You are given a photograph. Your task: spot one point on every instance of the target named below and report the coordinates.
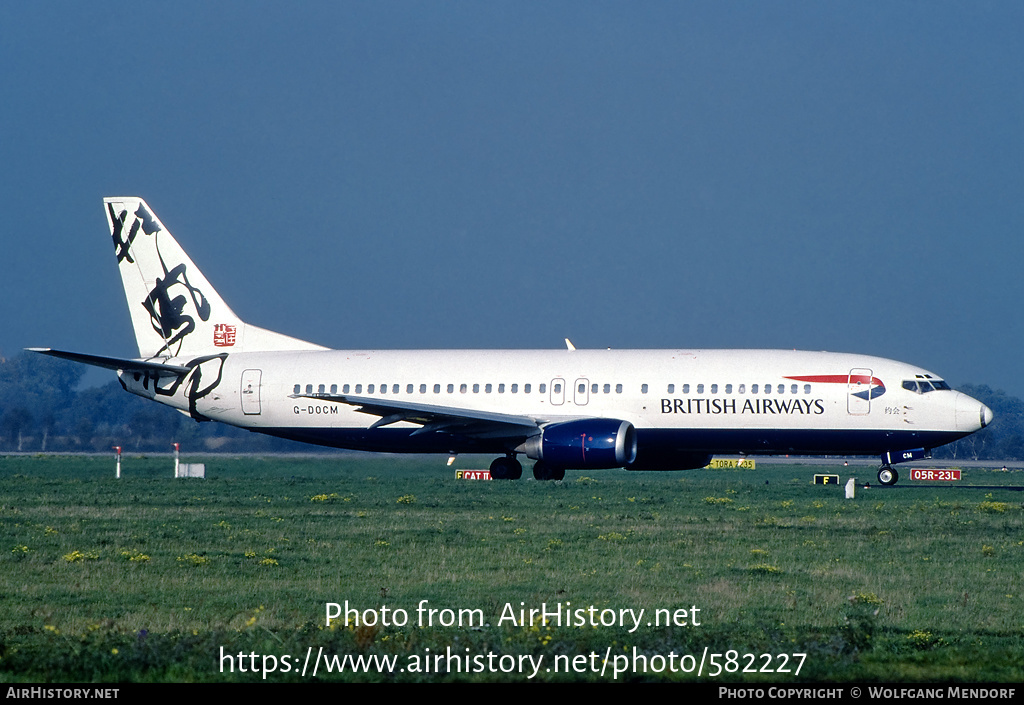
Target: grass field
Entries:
(148, 578)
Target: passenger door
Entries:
(858, 398)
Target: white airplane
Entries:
(564, 409)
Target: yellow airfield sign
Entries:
(731, 463)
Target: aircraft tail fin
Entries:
(174, 309)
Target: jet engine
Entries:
(585, 444)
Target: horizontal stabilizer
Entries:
(116, 363)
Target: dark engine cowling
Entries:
(585, 444)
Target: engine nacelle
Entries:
(585, 444)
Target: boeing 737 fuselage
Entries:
(564, 409)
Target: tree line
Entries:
(43, 409)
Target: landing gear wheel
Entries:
(517, 469)
(499, 469)
(887, 476)
(543, 471)
(506, 469)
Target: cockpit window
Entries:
(922, 385)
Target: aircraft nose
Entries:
(971, 414)
(986, 416)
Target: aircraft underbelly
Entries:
(749, 441)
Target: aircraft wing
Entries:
(471, 422)
(117, 363)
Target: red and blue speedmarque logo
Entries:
(871, 387)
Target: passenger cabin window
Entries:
(714, 389)
(309, 389)
(437, 389)
(526, 389)
(359, 389)
(515, 388)
(743, 389)
(451, 388)
(297, 389)
(686, 388)
(423, 389)
(618, 389)
(671, 389)
(345, 389)
(542, 388)
(476, 389)
(700, 389)
(463, 388)
(728, 389)
(607, 389)
(488, 387)
(369, 389)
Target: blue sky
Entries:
(833, 176)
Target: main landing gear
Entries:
(887, 476)
(508, 468)
(543, 471)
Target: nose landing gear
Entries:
(887, 476)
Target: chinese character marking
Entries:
(223, 335)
